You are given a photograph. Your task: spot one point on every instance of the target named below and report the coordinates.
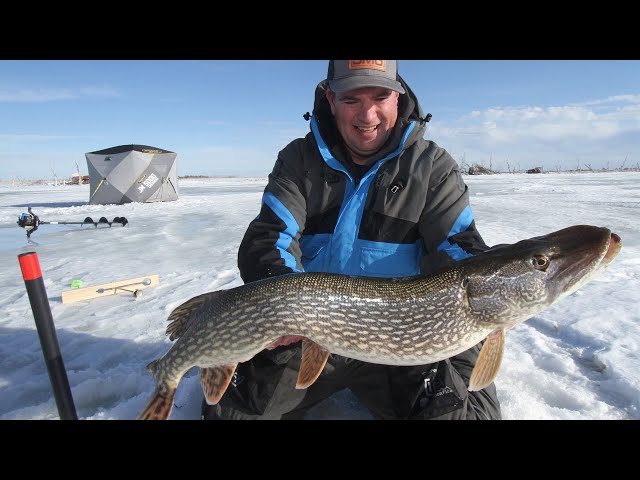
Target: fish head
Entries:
(508, 284)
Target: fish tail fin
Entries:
(152, 368)
(160, 405)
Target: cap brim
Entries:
(352, 83)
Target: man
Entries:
(362, 194)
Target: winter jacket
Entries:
(409, 214)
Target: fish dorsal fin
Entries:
(488, 362)
(181, 317)
(215, 381)
(314, 358)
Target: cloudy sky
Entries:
(228, 117)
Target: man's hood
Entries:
(409, 110)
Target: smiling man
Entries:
(365, 116)
(362, 194)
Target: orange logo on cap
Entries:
(370, 64)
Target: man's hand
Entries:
(286, 340)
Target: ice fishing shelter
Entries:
(132, 173)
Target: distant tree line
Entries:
(482, 169)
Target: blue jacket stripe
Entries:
(325, 152)
(286, 237)
(461, 224)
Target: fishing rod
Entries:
(30, 222)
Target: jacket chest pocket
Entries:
(399, 197)
(394, 261)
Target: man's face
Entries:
(365, 117)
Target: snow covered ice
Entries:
(577, 360)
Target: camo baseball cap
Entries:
(346, 75)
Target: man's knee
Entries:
(444, 396)
(484, 404)
(262, 388)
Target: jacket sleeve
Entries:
(447, 223)
(270, 245)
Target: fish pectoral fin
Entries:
(314, 358)
(160, 405)
(489, 360)
(215, 381)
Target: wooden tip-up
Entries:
(132, 285)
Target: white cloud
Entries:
(35, 95)
(597, 131)
(32, 137)
(20, 94)
(613, 99)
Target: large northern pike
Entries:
(401, 321)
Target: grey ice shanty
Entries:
(132, 173)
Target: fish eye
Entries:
(540, 262)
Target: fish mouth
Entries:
(615, 244)
(589, 250)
